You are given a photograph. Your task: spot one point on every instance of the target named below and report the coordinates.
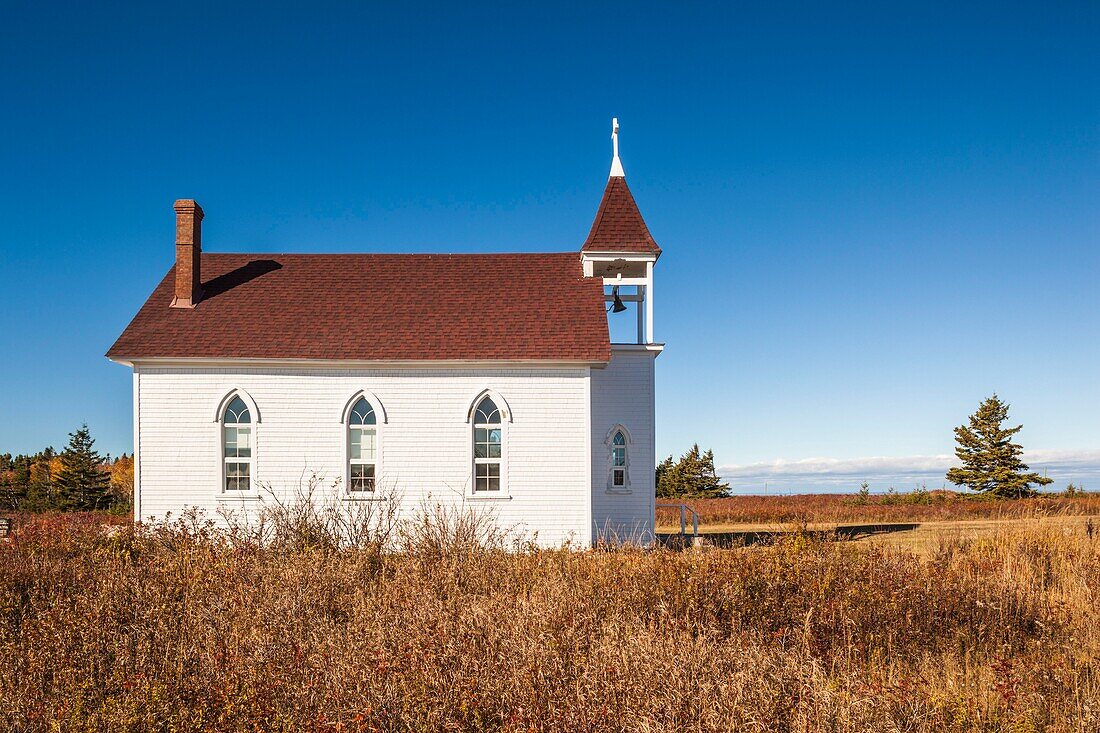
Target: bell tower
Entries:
(620, 249)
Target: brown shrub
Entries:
(181, 629)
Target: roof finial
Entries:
(616, 164)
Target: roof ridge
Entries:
(514, 253)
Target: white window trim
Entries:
(222, 493)
(502, 494)
(380, 419)
(501, 403)
(608, 442)
(250, 403)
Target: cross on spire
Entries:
(616, 164)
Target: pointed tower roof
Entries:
(619, 226)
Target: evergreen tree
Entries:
(664, 478)
(991, 461)
(693, 476)
(40, 471)
(11, 493)
(82, 482)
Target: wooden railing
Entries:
(684, 511)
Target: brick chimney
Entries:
(188, 251)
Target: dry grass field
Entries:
(183, 629)
(939, 517)
(929, 537)
(931, 506)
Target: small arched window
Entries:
(237, 445)
(362, 447)
(488, 446)
(618, 460)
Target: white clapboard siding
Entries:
(426, 446)
(623, 394)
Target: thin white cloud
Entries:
(816, 474)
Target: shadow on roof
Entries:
(224, 283)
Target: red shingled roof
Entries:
(507, 307)
(619, 226)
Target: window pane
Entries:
(236, 476)
(362, 477)
(237, 412)
(487, 477)
(619, 456)
(618, 477)
(619, 439)
(362, 413)
(362, 444)
(487, 412)
(244, 443)
(487, 443)
(238, 442)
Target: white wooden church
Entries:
(484, 379)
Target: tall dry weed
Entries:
(188, 627)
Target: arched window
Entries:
(618, 460)
(237, 445)
(362, 447)
(488, 446)
(619, 443)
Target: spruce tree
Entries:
(665, 483)
(991, 461)
(707, 482)
(692, 477)
(41, 481)
(82, 482)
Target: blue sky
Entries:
(872, 216)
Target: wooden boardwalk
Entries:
(765, 535)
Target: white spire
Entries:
(616, 164)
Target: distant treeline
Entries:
(76, 479)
